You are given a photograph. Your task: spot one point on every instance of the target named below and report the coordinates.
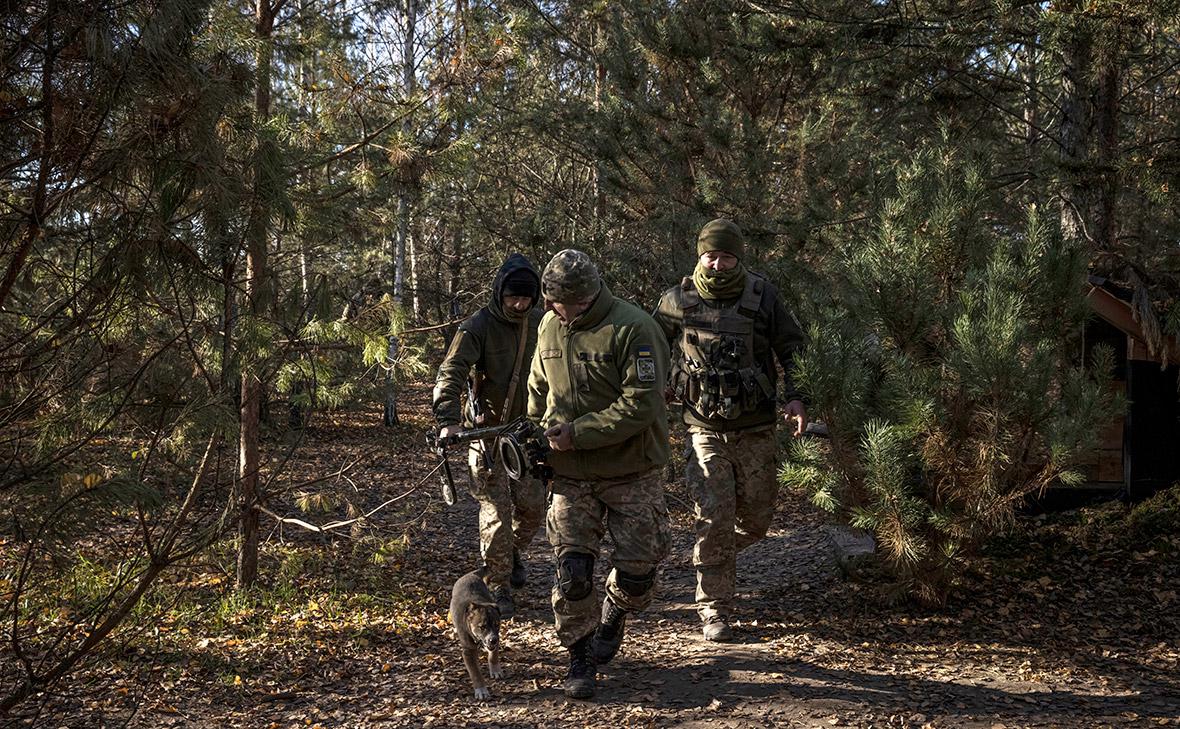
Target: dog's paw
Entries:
(496, 670)
(482, 694)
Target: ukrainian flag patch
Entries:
(645, 363)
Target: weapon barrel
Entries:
(469, 436)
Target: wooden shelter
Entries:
(1140, 452)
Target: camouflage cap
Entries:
(721, 234)
(570, 277)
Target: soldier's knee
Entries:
(633, 584)
(575, 575)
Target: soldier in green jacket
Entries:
(495, 346)
(596, 386)
(729, 325)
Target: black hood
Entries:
(515, 262)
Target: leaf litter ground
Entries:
(352, 630)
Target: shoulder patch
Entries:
(645, 363)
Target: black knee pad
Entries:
(635, 585)
(575, 575)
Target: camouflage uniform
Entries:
(725, 374)
(510, 513)
(634, 512)
(734, 483)
(604, 373)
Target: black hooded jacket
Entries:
(487, 342)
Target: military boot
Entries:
(503, 596)
(580, 682)
(716, 629)
(519, 577)
(609, 635)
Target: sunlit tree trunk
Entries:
(415, 250)
(409, 86)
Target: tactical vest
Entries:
(717, 374)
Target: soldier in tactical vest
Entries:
(729, 325)
(489, 358)
(597, 385)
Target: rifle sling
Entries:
(522, 337)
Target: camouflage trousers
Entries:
(734, 481)
(510, 513)
(633, 510)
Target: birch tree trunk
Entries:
(457, 239)
(409, 86)
(415, 246)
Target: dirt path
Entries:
(811, 652)
(1055, 634)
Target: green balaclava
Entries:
(720, 235)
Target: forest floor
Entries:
(1060, 626)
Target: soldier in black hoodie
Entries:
(488, 347)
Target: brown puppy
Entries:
(477, 625)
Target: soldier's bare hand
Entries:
(797, 415)
(449, 430)
(561, 437)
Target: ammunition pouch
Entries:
(719, 394)
(717, 375)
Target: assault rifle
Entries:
(520, 445)
(476, 416)
(475, 413)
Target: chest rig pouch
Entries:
(717, 374)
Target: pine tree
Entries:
(115, 328)
(946, 365)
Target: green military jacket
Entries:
(776, 335)
(487, 342)
(605, 373)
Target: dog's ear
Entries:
(491, 607)
(488, 608)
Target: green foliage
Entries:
(946, 367)
(329, 376)
(937, 354)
